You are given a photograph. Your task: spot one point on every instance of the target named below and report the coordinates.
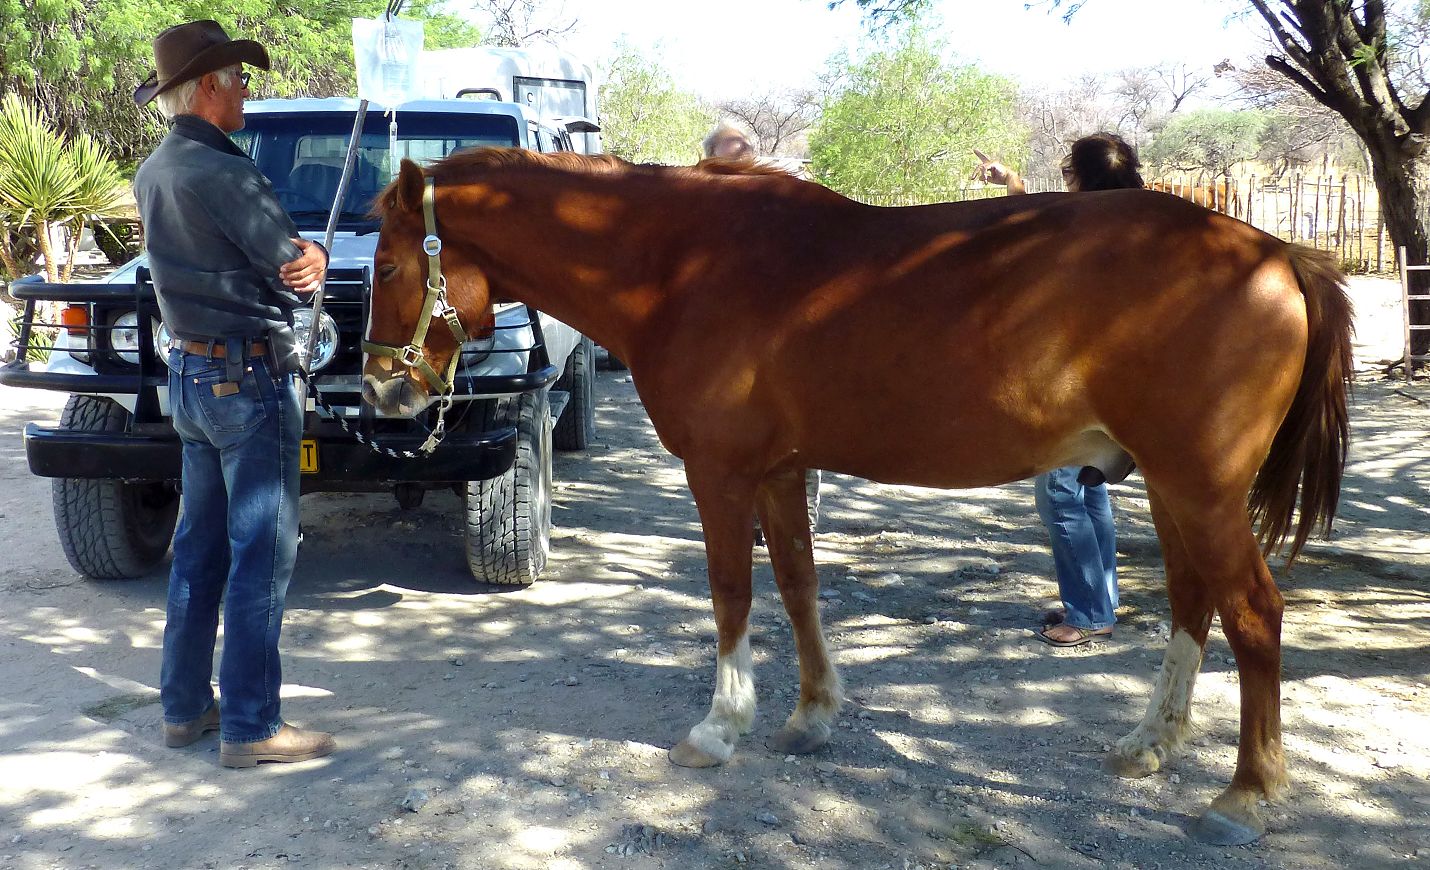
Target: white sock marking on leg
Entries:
(732, 708)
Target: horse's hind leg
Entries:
(781, 501)
(1226, 556)
(1167, 720)
(1251, 618)
(726, 502)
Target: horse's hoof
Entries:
(686, 754)
(795, 741)
(1133, 763)
(1220, 830)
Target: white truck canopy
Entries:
(554, 85)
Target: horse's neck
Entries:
(577, 265)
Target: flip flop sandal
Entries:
(1083, 636)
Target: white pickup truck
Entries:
(526, 388)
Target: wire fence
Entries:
(1338, 213)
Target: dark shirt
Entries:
(216, 235)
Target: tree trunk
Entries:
(7, 262)
(72, 238)
(42, 233)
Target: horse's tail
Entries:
(1309, 451)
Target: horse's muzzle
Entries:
(394, 396)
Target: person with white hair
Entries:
(730, 142)
(727, 140)
(228, 268)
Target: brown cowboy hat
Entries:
(186, 51)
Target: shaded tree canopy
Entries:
(1215, 139)
(645, 118)
(904, 122)
(80, 60)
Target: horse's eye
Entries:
(385, 273)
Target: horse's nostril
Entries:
(369, 391)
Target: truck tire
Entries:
(509, 516)
(613, 363)
(577, 424)
(111, 529)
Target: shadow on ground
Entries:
(533, 722)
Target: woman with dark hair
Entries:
(1102, 161)
(1075, 509)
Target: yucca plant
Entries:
(99, 191)
(46, 181)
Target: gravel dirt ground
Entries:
(487, 728)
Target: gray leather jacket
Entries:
(216, 235)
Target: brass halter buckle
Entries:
(411, 356)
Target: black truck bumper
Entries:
(342, 462)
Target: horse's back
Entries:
(993, 341)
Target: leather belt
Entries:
(217, 350)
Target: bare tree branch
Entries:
(517, 23)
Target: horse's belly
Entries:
(987, 453)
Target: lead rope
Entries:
(372, 444)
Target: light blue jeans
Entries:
(1079, 521)
(239, 530)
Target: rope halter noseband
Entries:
(434, 302)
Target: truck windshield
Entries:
(303, 155)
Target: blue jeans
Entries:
(239, 529)
(1079, 521)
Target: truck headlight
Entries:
(124, 337)
(327, 346)
(478, 349)
(162, 339)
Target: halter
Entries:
(434, 302)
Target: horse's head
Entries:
(414, 330)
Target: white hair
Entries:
(179, 100)
(737, 144)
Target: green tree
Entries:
(80, 60)
(904, 123)
(49, 181)
(1212, 140)
(645, 118)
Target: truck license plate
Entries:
(308, 456)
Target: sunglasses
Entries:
(243, 79)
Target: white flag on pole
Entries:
(386, 51)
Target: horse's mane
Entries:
(739, 166)
(463, 165)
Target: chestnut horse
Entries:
(1222, 196)
(771, 326)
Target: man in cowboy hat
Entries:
(228, 267)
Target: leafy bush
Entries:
(117, 239)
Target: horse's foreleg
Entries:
(1168, 717)
(782, 505)
(726, 504)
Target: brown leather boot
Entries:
(289, 744)
(189, 732)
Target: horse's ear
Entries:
(410, 181)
